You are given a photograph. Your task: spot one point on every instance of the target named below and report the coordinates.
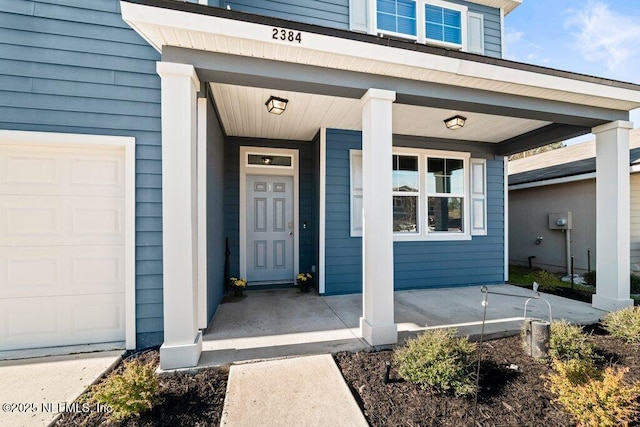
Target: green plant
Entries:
(594, 398)
(129, 392)
(544, 277)
(635, 284)
(624, 324)
(438, 360)
(567, 341)
(590, 278)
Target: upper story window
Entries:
(397, 17)
(443, 24)
(427, 21)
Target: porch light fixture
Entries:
(455, 122)
(276, 105)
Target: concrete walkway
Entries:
(34, 391)
(304, 391)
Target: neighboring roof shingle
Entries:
(563, 162)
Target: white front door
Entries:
(270, 229)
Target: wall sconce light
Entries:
(276, 105)
(266, 160)
(455, 122)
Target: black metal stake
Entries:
(386, 371)
(572, 259)
(589, 260)
(530, 258)
(486, 293)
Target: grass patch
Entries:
(549, 282)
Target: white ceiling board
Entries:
(244, 114)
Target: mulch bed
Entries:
(186, 399)
(508, 397)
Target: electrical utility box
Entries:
(560, 221)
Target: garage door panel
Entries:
(43, 322)
(61, 270)
(61, 220)
(61, 170)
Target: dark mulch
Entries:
(186, 399)
(508, 397)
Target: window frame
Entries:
(423, 233)
(464, 17)
(394, 33)
(420, 36)
(416, 194)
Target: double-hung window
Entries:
(397, 17)
(406, 194)
(437, 195)
(446, 194)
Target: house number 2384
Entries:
(286, 35)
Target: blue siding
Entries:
(308, 198)
(416, 264)
(75, 66)
(492, 33)
(215, 212)
(328, 13)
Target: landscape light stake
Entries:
(485, 299)
(387, 366)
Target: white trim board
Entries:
(201, 186)
(322, 232)
(11, 137)
(268, 170)
(165, 27)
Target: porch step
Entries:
(307, 391)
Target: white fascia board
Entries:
(506, 5)
(149, 19)
(553, 181)
(564, 180)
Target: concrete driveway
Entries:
(33, 391)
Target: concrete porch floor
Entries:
(283, 323)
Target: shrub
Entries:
(568, 342)
(590, 278)
(130, 392)
(593, 398)
(440, 361)
(635, 284)
(543, 277)
(624, 324)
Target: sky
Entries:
(594, 37)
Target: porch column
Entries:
(182, 339)
(612, 216)
(377, 324)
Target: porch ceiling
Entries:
(243, 113)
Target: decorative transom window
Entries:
(437, 195)
(397, 17)
(431, 21)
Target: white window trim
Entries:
(422, 37)
(354, 192)
(393, 33)
(423, 234)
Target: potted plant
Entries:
(238, 285)
(304, 281)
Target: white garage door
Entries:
(61, 245)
